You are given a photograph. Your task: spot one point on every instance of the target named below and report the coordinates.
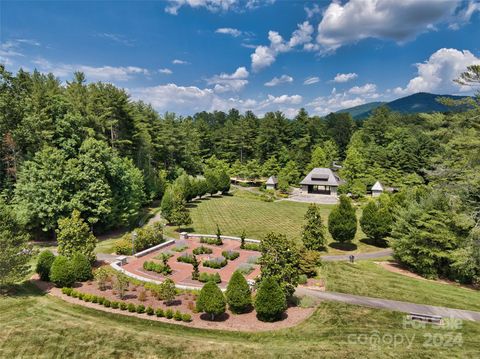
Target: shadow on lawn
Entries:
(24, 289)
(371, 242)
(343, 246)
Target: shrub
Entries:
(61, 272)
(67, 291)
(342, 221)
(195, 272)
(75, 293)
(140, 309)
(230, 255)
(245, 268)
(150, 311)
(115, 305)
(309, 262)
(270, 302)
(169, 314)
(159, 312)
(249, 246)
(215, 263)
(238, 294)
(206, 277)
(44, 263)
(167, 291)
(202, 250)
(100, 300)
(253, 259)
(121, 284)
(74, 235)
(131, 307)
(208, 240)
(142, 296)
(94, 299)
(302, 279)
(186, 317)
(123, 246)
(211, 300)
(219, 235)
(123, 306)
(157, 267)
(313, 235)
(101, 276)
(87, 297)
(164, 255)
(106, 303)
(177, 316)
(81, 267)
(185, 258)
(242, 240)
(146, 237)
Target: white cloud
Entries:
(165, 71)
(264, 56)
(363, 90)
(438, 72)
(180, 62)
(14, 48)
(216, 5)
(384, 19)
(311, 80)
(312, 11)
(345, 77)
(464, 15)
(230, 82)
(279, 80)
(229, 31)
(116, 38)
(102, 73)
(334, 102)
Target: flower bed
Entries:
(185, 258)
(206, 277)
(214, 241)
(215, 263)
(230, 255)
(157, 267)
(202, 250)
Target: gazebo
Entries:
(321, 181)
(377, 189)
(271, 183)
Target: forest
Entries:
(89, 147)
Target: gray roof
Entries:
(322, 177)
(377, 186)
(272, 180)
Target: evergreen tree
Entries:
(196, 272)
(73, 235)
(376, 222)
(238, 294)
(270, 301)
(313, 235)
(342, 221)
(211, 300)
(319, 159)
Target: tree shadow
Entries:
(282, 318)
(191, 205)
(371, 242)
(219, 318)
(25, 289)
(346, 246)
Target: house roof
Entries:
(272, 180)
(377, 186)
(321, 177)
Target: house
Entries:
(321, 181)
(271, 183)
(377, 189)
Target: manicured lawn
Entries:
(233, 214)
(369, 279)
(36, 325)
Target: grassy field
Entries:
(39, 326)
(369, 279)
(233, 214)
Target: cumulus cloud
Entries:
(438, 72)
(279, 80)
(216, 5)
(165, 71)
(264, 56)
(363, 90)
(230, 82)
(324, 105)
(102, 73)
(180, 62)
(229, 31)
(311, 80)
(345, 77)
(382, 19)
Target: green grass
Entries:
(369, 279)
(40, 326)
(236, 213)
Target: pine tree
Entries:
(211, 300)
(270, 301)
(238, 293)
(313, 235)
(342, 221)
(196, 272)
(376, 222)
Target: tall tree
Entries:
(313, 235)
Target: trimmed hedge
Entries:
(249, 246)
(157, 267)
(207, 277)
(213, 241)
(186, 258)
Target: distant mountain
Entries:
(416, 103)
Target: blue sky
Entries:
(191, 55)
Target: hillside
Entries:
(416, 103)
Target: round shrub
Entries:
(106, 303)
(140, 308)
(177, 316)
(100, 300)
(270, 302)
(123, 306)
(67, 291)
(149, 311)
(169, 314)
(61, 272)
(81, 267)
(131, 307)
(211, 300)
(115, 305)
(238, 294)
(44, 263)
(186, 317)
(159, 312)
(94, 299)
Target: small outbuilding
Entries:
(321, 181)
(272, 183)
(377, 189)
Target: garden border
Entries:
(154, 248)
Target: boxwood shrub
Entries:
(169, 314)
(140, 308)
(177, 316)
(131, 307)
(123, 306)
(106, 303)
(44, 263)
(159, 312)
(186, 317)
(61, 272)
(150, 311)
(185, 258)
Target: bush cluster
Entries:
(206, 277)
(63, 271)
(44, 263)
(147, 237)
(202, 250)
(251, 246)
(186, 258)
(131, 307)
(230, 255)
(215, 263)
(214, 241)
(157, 267)
(245, 268)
